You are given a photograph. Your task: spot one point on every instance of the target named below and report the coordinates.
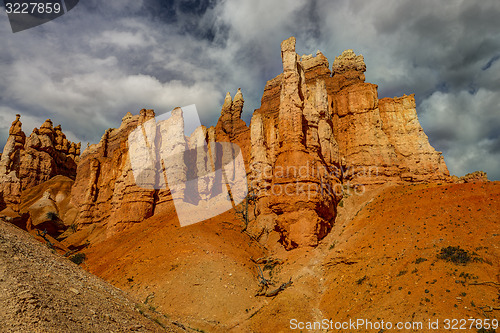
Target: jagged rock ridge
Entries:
(318, 131)
(107, 193)
(29, 161)
(336, 116)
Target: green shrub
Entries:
(360, 281)
(78, 258)
(52, 216)
(420, 260)
(454, 254)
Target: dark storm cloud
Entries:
(88, 68)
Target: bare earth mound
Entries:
(379, 261)
(43, 292)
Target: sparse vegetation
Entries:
(454, 254)
(243, 210)
(468, 276)
(403, 272)
(360, 281)
(43, 234)
(78, 258)
(52, 216)
(271, 264)
(420, 260)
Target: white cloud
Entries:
(103, 59)
(465, 126)
(122, 39)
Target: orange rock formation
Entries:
(317, 133)
(29, 161)
(313, 119)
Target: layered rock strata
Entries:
(105, 190)
(29, 161)
(335, 116)
(318, 131)
(231, 128)
(290, 160)
(137, 169)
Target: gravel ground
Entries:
(41, 291)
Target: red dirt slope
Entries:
(378, 263)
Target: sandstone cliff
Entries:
(230, 127)
(331, 121)
(318, 133)
(105, 190)
(29, 161)
(147, 164)
(291, 159)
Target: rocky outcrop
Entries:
(318, 131)
(29, 161)
(142, 167)
(380, 140)
(417, 161)
(476, 176)
(230, 127)
(105, 191)
(47, 207)
(292, 179)
(332, 119)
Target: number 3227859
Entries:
(33, 8)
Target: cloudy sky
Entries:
(88, 68)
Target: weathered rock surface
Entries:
(318, 131)
(231, 128)
(105, 192)
(476, 176)
(336, 117)
(47, 207)
(292, 179)
(29, 161)
(138, 169)
(417, 161)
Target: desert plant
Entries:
(360, 281)
(454, 254)
(243, 211)
(78, 258)
(403, 272)
(52, 216)
(43, 234)
(420, 260)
